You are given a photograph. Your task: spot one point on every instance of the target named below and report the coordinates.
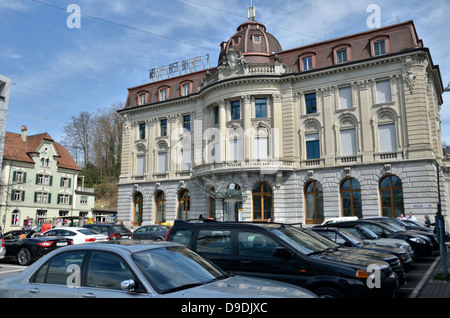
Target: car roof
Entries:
(130, 246)
(74, 228)
(230, 225)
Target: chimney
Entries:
(24, 133)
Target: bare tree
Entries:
(78, 132)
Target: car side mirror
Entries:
(282, 252)
(128, 285)
(347, 244)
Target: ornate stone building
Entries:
(348, 126)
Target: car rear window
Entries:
(120, 229)
(180, 236)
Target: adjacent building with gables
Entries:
(39, 183)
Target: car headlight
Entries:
(418, 240)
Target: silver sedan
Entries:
(127, 269)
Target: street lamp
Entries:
(447, 89)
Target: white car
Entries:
(79, 235)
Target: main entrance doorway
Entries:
(232, 210)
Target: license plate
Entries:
(125, 237)
(61, 244)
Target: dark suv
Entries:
(114, 231)
(283, 252)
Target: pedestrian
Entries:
(401, 217)
(427, 222)
(411, 217)
(46, 226)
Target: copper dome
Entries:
(252, 40)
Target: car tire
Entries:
(23, 256)
(158, 239)
(329, 292)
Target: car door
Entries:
(255, 257)
(216, 245)
(59, 277)
(105, 271)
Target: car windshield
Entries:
(351, 237)
(322, 239)
(87, 231)
(175, 268)
(298, 239)
(364, 233)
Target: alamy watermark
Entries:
(74, 19)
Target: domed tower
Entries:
(253, 42)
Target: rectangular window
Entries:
(341, 56)
(186, 159)
(84, 200)
(42, 197)
(216, 115)
(345, 97)
(64, 199)
(348, 142)
(186, 89)
(235, 150)
(164, 127)
(311, 103)
(163, 94)
(261, 147)
(142, 99)
(43, 179)
(384, 91)
(307, 63)
(19, 176)
(387, 138)
(235, 110)
(142, 131)
(312, 146)
(18, 195)
(256, 38)
(260, 108)
(162, 162)
(65, 182)
(140, 165)
(15, 217)
(187, 122)
(379, 48)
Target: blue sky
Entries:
(60, 71)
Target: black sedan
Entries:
(421, 244)
(29, 248)
(150, 232)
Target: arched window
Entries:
(184, 205)
(314, 202)
(262, 202)
(160, 202)
(391, 196)
(351, 198)
(137, 208)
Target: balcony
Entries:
(262, 166)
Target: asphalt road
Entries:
(415, 275)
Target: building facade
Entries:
(40, 182)
(348, 126)
(5, 84)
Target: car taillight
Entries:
(3, 242)
(114, 235)
(90, 240)
(46, 244)
(167, 234)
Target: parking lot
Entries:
(414, 280)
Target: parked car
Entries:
(421, 244)
(129, 270)
(150, 232)
(29, 249)
(282, 252)
(113, 231)
(396, 257)
(79, 235)
(370, 237)
(399, 226)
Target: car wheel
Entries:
(158, 239)
(329, 292)
(23, 256)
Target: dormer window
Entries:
(379, 45)
(307, 61)
(163, 94)
(142, 99)
(341, 54)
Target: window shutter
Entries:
(37, 179)
(24, 177)
(12, 195)
(14, 176)
(70, 199)
(59, 198)
(70, 182)
(35, 197)
(23, 196)
(49, 198)
(51, 180)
